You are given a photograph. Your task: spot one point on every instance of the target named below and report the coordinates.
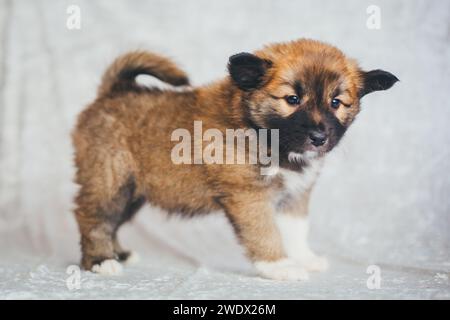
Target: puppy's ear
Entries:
(248, 71)
(376, 80)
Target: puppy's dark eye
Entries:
(335, 103)
(293, 99)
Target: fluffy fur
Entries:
(123, 147)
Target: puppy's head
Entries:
(307, 89)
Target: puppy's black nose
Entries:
(318, 138)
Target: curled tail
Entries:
(121, 74)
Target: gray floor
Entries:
(381, 200)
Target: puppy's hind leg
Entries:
(96, 227)
(99, 220)
(132, 207)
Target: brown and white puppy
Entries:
(306, 89)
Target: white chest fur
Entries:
(295, 183)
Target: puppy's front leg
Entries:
(252, 218)
(292, 221)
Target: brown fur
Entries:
(123, 147)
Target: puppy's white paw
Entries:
(284, 269)
(314, 263)
(133, 258)
(109, 267)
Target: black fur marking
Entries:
(294, 131)
(124, 205)
(132, 208)
(298, 89)
(99, 260)
(123, 256)
(248, 70)
(377, 80)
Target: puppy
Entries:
(307, 90)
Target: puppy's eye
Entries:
(335, 103)
(293, 99)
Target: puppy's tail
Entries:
(121, 74)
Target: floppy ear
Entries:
(377, 80)
(248, 70)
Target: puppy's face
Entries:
(308, 90)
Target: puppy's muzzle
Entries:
(318, 138)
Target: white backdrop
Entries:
(392, 210)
